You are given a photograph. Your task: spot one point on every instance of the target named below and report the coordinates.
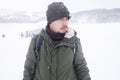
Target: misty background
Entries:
(97, 23)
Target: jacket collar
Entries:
(68, 39)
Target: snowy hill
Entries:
(90, 16)
(97, 16)
(8, 16)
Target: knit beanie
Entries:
(55, 11)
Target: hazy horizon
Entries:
(73, 5)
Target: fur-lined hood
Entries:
(70, 33)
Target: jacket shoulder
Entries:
(35, 37)
(77, 39)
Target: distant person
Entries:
(3, 35)
(60, 56)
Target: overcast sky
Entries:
(73, 5)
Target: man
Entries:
(57, 59)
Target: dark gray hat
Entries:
(56, 10)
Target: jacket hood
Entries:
(70, 33)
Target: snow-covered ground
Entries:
(100, 43)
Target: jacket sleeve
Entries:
(80, 64)
(29, 62)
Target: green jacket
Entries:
(57, 61)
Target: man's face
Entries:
(59, 26)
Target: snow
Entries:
(100, 43)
